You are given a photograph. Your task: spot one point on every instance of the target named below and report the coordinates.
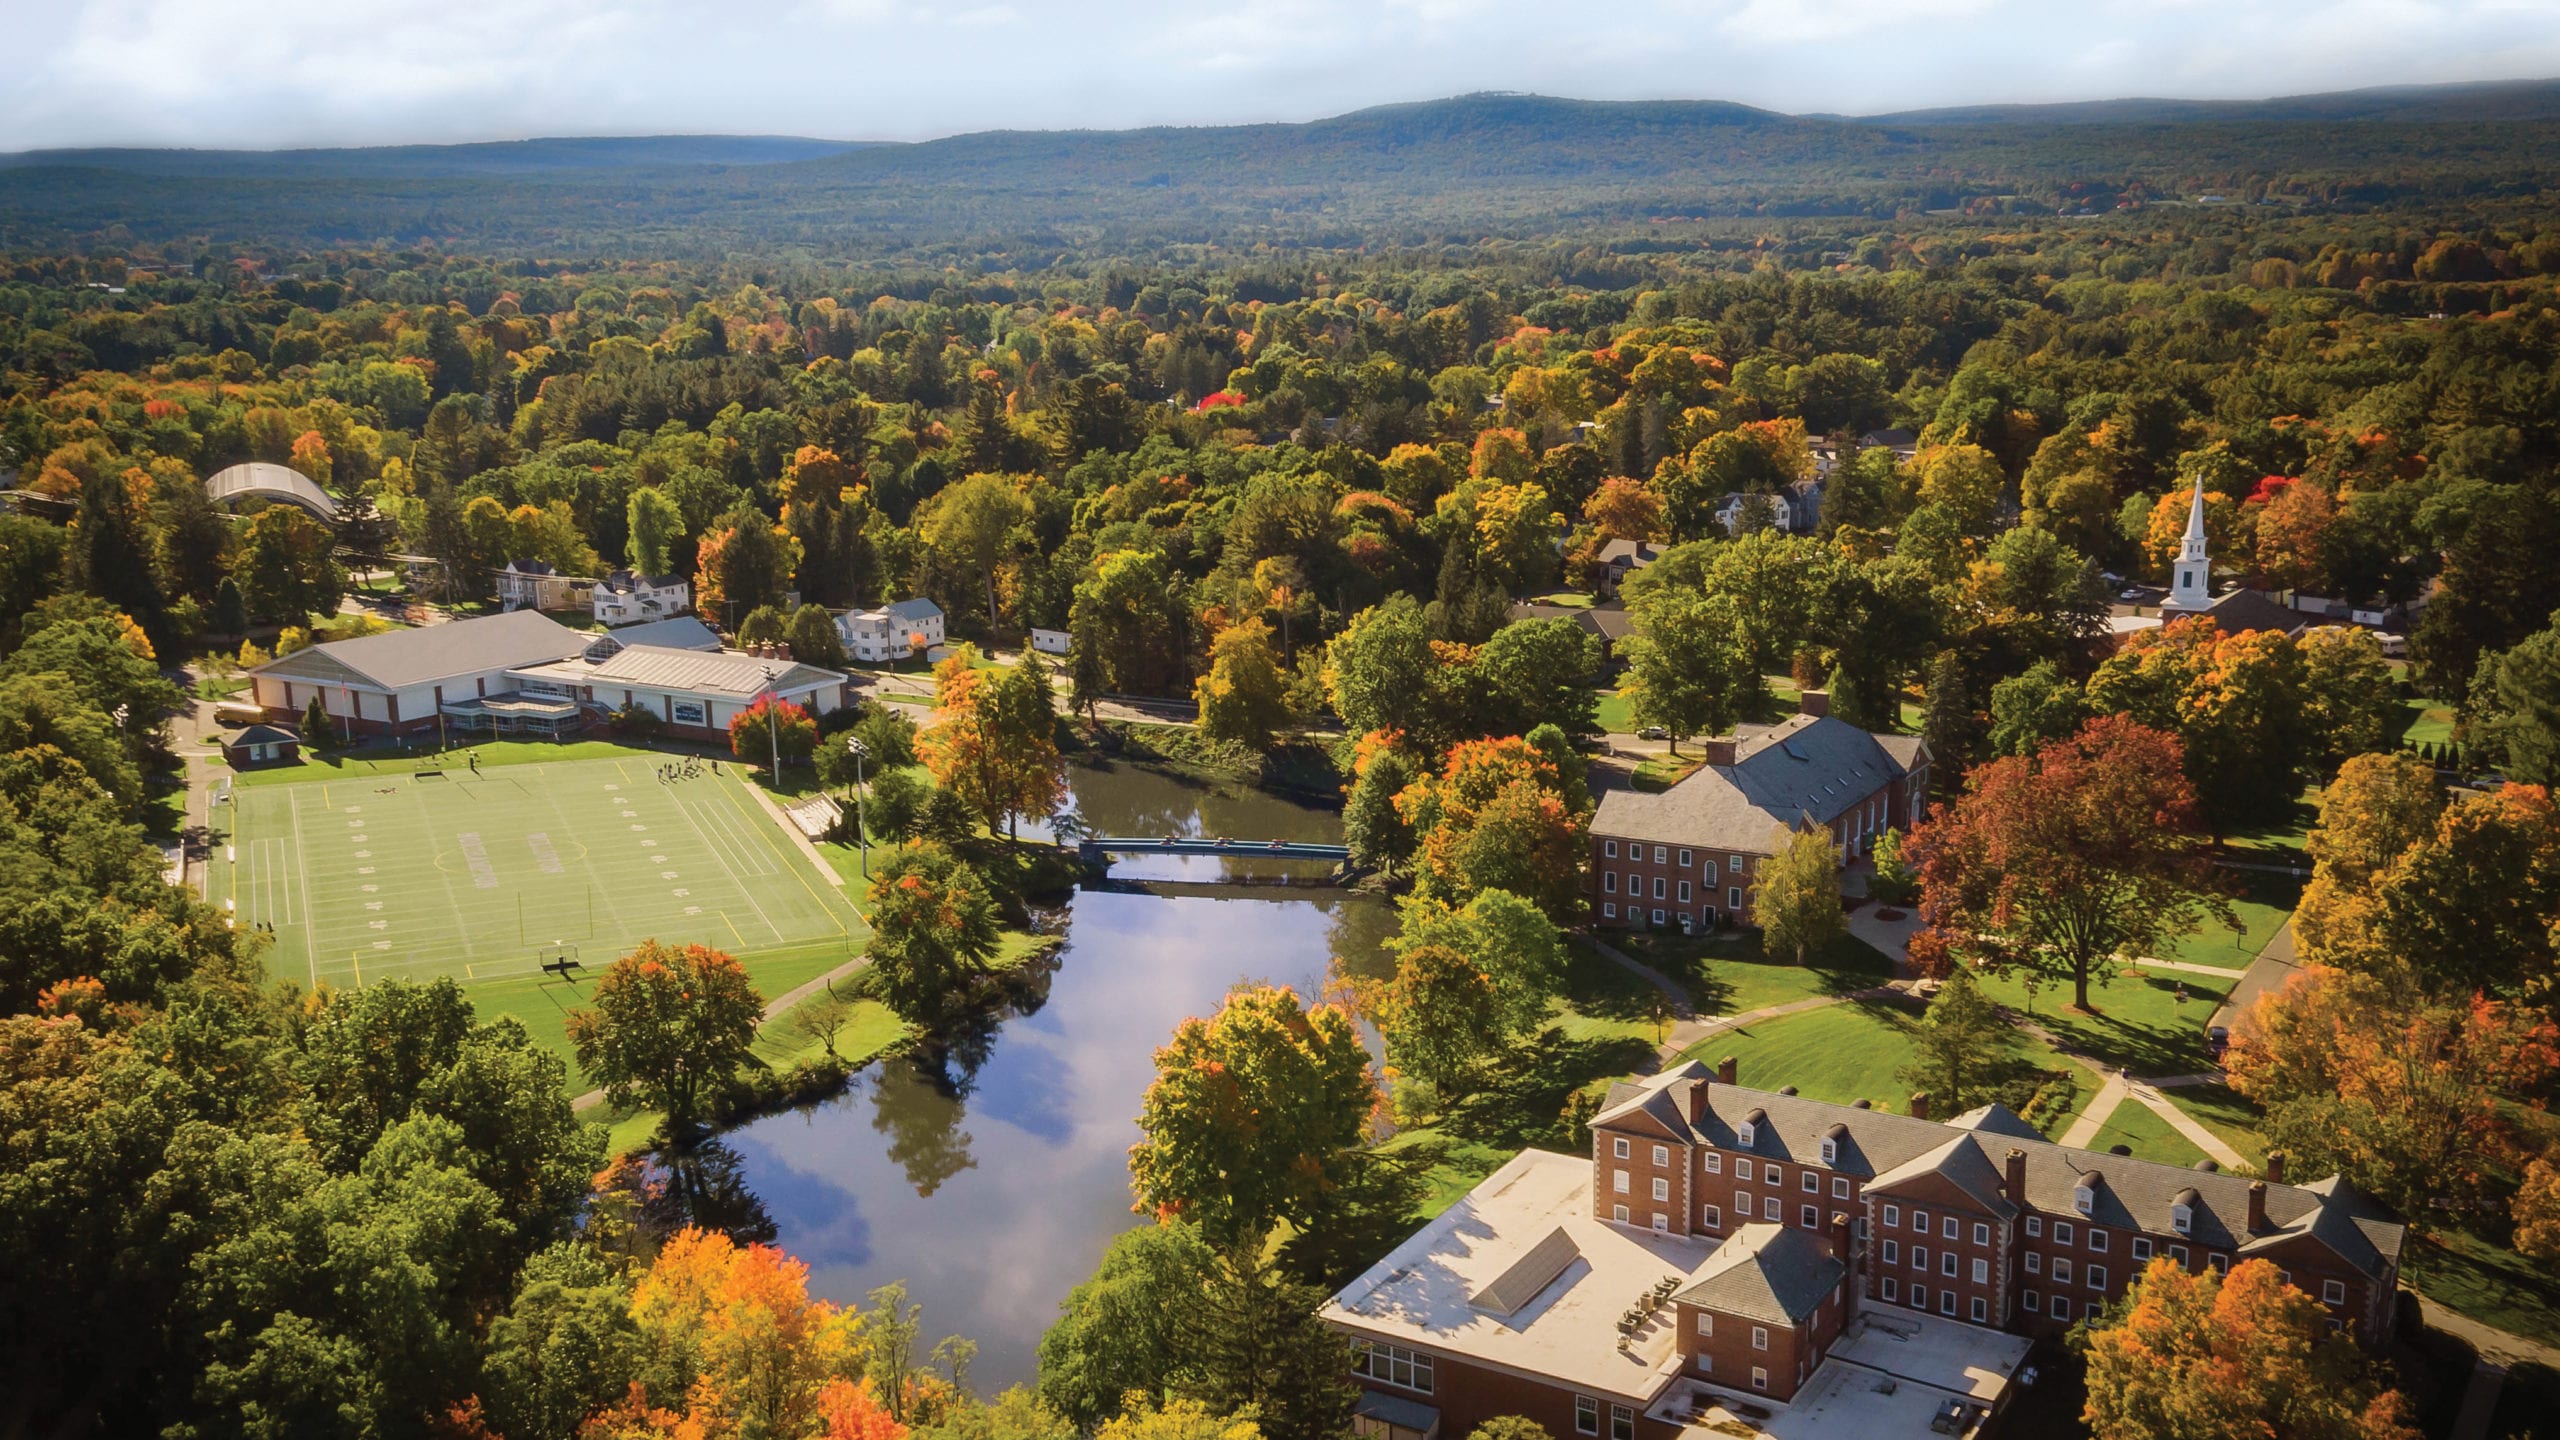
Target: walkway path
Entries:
(773, 1008)
(2220, 971)
(798, 836)
(2498, 1349)
(2083, 1133)
(1688, 1027)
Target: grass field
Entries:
(2264, 903)
(366, 876)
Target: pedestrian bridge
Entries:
(1096, 850)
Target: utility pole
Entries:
(861, 832)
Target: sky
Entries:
(272, 73)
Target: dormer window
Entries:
(2084, 1199)
(1830, 1152)
(2182, 1218)
(1748, 1133)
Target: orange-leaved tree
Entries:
(765, 728)
(667, 1028)
(2059, 861)
(735, 1336)
(993, 741)
(2210, 1356)
(1502, 814)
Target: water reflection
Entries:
(990, 1174)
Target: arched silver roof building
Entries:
(265, 481)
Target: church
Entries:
(2235, 612)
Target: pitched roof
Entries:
(918, 608)
(399, 659)
(2238, 612)
(1634, 554)
(1766, 1272)
(1609, 620)
(263, 734)
(625, 581)
(1811, 769)
(681, 632)
(1890, 1150)
(716, 673)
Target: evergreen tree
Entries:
(1253, 1338)
(1947, 724)
(1379, 838)
(1960, 1044)
(317, 731)
(230, 616)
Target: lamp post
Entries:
(861, 833)
(773, 724)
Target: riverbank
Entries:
(1298, 769)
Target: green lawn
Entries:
(1614, 717)
(2139, 1021)
(2487, 1282)
(374, 762)
(2281, 842)
(2424, 720)
(2138, 1126)
(363, 876)
(1856, 1050)
(1563, 600)
(1661, 772)
(1728, 974)
(2264, 903)
(2228, 1114)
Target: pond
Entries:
(991, 1185)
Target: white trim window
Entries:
(1715, 1162)
(1620, 1147)
(1661, 1188)
(1661, 1154)
(1586, 1415)
(2141, 1248)
(1394, 1364)
(1711, 1217)
(1759, 1337)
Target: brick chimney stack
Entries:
(1919, 1104)
(2275, 1167)
(2016, 1167)
(1814, 702)
(1842, 1237)
(2257, 1206)
(782, 650)
(1728, 1069)
(1717, 749)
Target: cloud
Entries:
(323, 72)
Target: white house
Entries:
(1781, 512)
(891, 632)
(628, 598)
(1051, 642)
(534, 585)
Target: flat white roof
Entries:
(1424, 1292)
(1888, 1376)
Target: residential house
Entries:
(1734, 508)
(628, 598)
(1685, 855)
(1622, 558)
(1609, 620)
(1749, 1261)
(891, 632)
(535, 585)
(261, 744)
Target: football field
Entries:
(483, 877)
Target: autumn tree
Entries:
(934, 934)
(2375, 811)
(286, 566)
(1244, 698)
(1303, 1076)
(2060, 861)
(757, 732)
(667, 1028)
(1795, 894)
(732, 1332)
(2240, 706)
(1500, 815)
(744, 560)
(2230, 1357)
(2536, 1210)
(994, 742)
(1439, 1015)
(1372, 828)
(974, 525)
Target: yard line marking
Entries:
(687, 812)
(586, 861)
(797, 872)
(302, 872)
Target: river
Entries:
(991, 1188)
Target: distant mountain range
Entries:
(1473, 163)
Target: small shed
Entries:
(1050, 642)
(262, 744)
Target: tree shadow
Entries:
(704, 1186)
(1522, 1102)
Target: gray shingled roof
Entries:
(1811, 769)
(1609, 620)
(918, 608)
(1881, 1150)
(399, 659)
(1766, 1272)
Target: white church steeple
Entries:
(2191, 583)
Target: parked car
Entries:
(1653, 732)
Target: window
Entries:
(1661, 1154)
(1661, 854)
(2035, 1225)
(1684, 859)
(1759, 1378)
(2035, 1302)
(1888, 1287)
(1657, 887)
(1839, 1187)
(1947, 1263)
(1892, 1215)
(1711, 1216)
(1708, 876)
(1706, 1323)
(1586, 1415)
(2182, 1218)
(1661, 1188)
(1830, 1156)
(1608, 882)
(1920, 1221)
(1635, 886)
(2061, 1308)
(1810, 1217)
(1706, 1364)
(2141, 1248)
(1618, 1213)
(2061, 1232)
(2097, 1277)
(1741, 1165)
(1618, 1181)
(1657, 912)
(2097, 1238)
(1684, 892)
(1737, 863)
(1759, 1337)
(2035, 1263)
(1946, 1302)
(2061, 1270)
(1773, 1174)
(2334, 1292)
(1981, 1234)
(1733, 897)
(1409, 1369)
(1715, 1162)
(1618, 1146)
(2221, 1263)
(1920, 1258)
(1661, 1223)
(1622, 1423)
(2083, 1199)
(1981, 1311)
(1952, 1227)
(1609, 912)
(1609, 848)
(1813, 1182)
(1981, 1272)
(1892, 1253)
(1769, 1209)
(2179, 1254)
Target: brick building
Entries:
(1685, 855)
(1731, 1255)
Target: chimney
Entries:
(1841, 1240)
(782, 650)
(2016, 1187)
(1717, 749)
(2257, 1206)
(2275, 1167)
(1919, 1104)
(1814, 702)
(1728, 1068)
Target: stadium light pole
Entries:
(861, 833)
(773, 723)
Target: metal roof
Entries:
(260, 479)
(400, 659)
(723, 672)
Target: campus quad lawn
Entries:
(2487, 1282)
(369, 875)
(2264, 903)
(2138, 1127)
(1728, 974)
(2139, 1021)
(2226, 1113)
(1615, 718)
